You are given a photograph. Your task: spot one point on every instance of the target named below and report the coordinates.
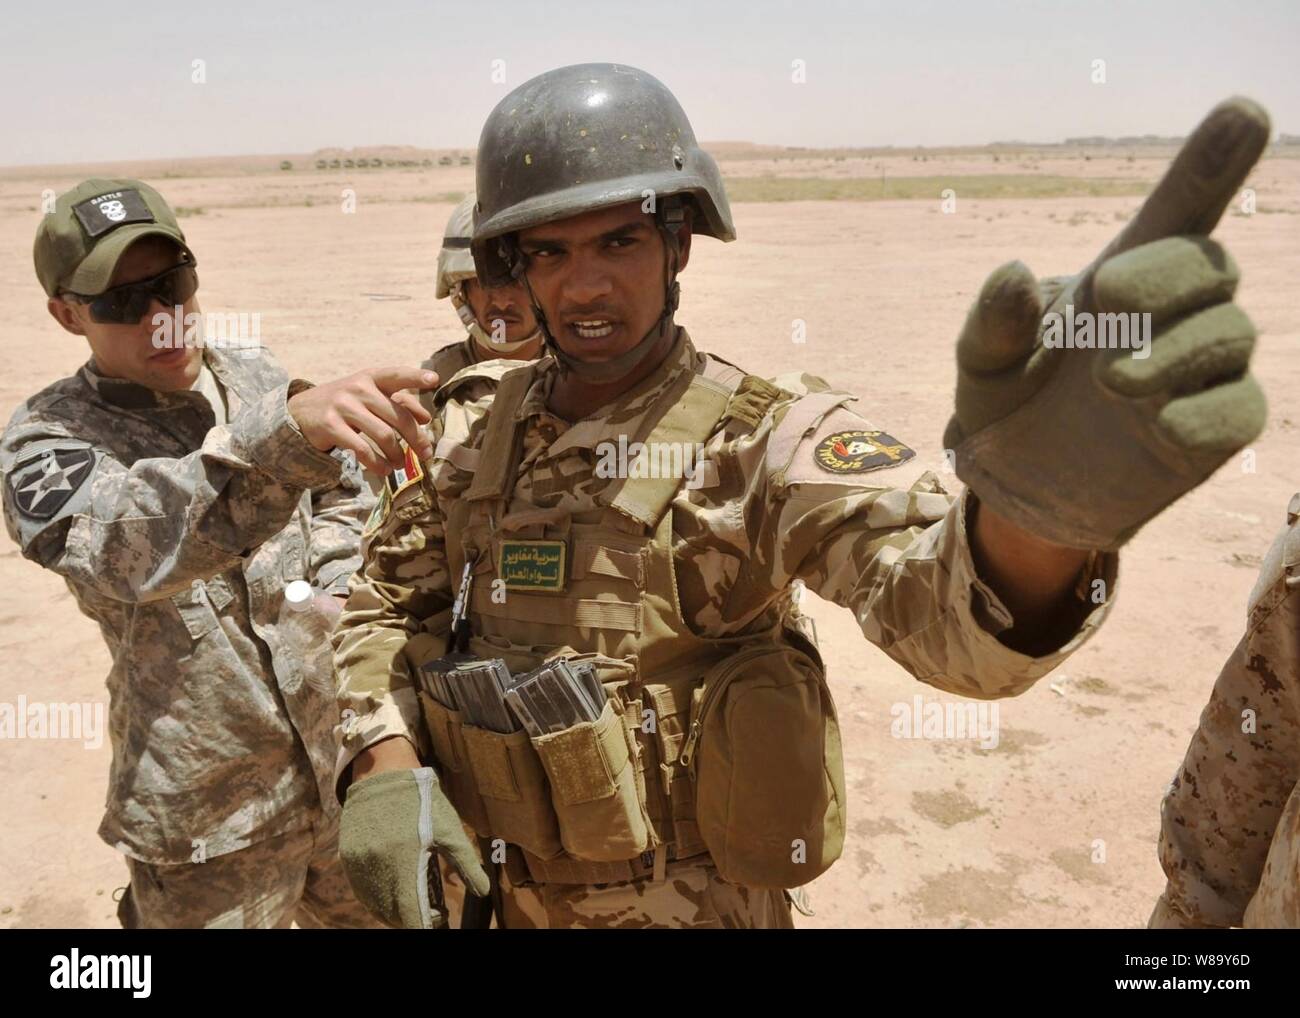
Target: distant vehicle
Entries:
(444, 161)
(348, 164)
(465, 160)
(321, 164)
(334, 164)
(286, 165)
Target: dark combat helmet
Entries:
(581, 138)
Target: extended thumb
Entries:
(1003, 325)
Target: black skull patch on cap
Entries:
(107, 212)
(43, 487)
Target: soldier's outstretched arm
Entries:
(1241, 770)
(865, 532)
(144, 530)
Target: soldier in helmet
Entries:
(636, 508)
(498, 319)
(1230, 822)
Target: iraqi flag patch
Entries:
(409, 474)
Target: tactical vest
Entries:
(722, 745)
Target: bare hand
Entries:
(368, 412)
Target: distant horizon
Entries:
(93, 86)
(1283, 138)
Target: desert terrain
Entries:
(1056, 826)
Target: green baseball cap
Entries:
(79, 243)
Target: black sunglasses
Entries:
(127, 304)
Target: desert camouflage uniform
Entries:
(178, 538)
(1230, 823)
(450, 359)
(764, 515)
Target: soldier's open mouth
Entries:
(595, 329)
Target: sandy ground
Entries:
(1054, 827)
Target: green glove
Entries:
(1082, 446)
(392, 824)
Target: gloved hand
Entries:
(1083, 446)
(392, 824)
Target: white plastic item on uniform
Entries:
(307, 618)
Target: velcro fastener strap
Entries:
(800, 419)
(456, 454)
(596, 558)
(504, 439)
(688, 421)
(489, 760)
(589, 614)
(557, 610)
(752, 398)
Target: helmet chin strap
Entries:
(612, 370)
(480, 335)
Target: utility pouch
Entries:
(594, 788)
(764, 753)
(515, 793)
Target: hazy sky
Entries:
(89, 82)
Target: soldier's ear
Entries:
(65, 313)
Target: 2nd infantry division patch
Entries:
(857, 452)
(43, 487)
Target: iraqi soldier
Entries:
(1230, 823)
(640, 508)
(177, 487)
(498, 320)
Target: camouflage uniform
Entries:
(768, 511)
(178, 538)
(1230, 823)
(449, 360)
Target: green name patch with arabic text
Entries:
(533, 565)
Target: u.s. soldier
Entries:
(1230, 823)
(640, 506)
(177, 485)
